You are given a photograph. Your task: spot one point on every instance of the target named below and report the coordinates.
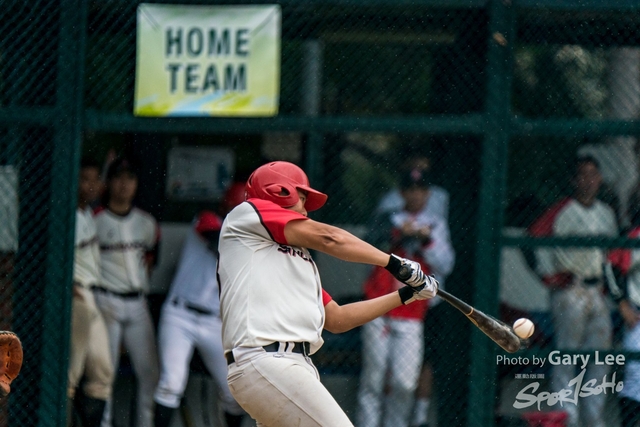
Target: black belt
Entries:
(592, 281)
(298, 347)
(118, 294)
(179, 303)
(89, 286)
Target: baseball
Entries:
(523, 328)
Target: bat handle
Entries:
(455, 301)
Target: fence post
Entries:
(312, 87)
(61, 227)
(482, 390)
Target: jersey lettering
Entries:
(294, 252)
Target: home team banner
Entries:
(207, 60)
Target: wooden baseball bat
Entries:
(499, 332)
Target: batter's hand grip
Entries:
(404, 273)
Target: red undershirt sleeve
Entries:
(326, 298)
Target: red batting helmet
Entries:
(278, 182)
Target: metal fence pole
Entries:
(60, 243)
(312, 87)
(482, 390)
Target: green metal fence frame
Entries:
(496, 125)
(65, 165)
(503, 23)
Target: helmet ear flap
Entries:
(277, 190)
(286, 193)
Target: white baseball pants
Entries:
(581, 321)
(282, 390)
(90, 354)
(129, 322)
(392, 353)
(179, 332)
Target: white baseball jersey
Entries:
(86, 267)
(270, 291)
(195, 282)
(571, 218)
(125, 244)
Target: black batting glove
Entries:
(406, 271)
(428, 290)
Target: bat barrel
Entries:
(500, 333)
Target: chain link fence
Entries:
(37, 159)
(496, 99)
(570, 68)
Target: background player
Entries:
(191, 319)
(579, 307)
(89, 355)
(273, 305)
(435, 205)
(129, 240)
(392, 345)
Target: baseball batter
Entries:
(273, 305)
(191, 319)
(128, 240)
(89, 355)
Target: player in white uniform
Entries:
(272, 302)
(392, 347)
(437, 205)
(89, 355)
(128, 240)
(581, 316)
(191, 319)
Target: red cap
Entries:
(278, 182)
(235, 194)
(208, 221)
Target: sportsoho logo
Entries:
(577, 387)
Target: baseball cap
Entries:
(208, 221)
(414, 178)
(119, 165)
(235, 194)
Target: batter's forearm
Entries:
(346, 317)
(353, 249)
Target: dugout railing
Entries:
(501, 94)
